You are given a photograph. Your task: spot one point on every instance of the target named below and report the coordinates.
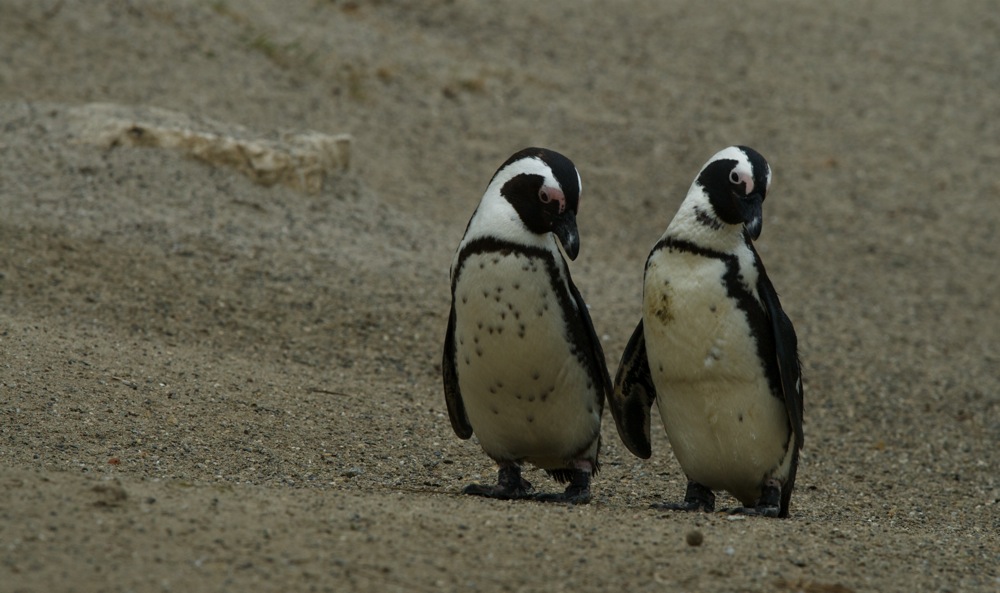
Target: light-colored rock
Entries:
(299, 160)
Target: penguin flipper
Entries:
(786, 353)
(633, 396)
(597, 365)
(452, 394)
(789, 367)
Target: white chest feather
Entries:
(526, 393)
(726, 428)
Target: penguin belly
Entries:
(527, 395)
(726, 428)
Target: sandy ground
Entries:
(210, 384)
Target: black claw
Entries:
(697, 498)
(768, 505)
(577, 492)
(510, 485)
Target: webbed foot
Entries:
(510, 485)
(577, 492)
(768, 505)
(697, 498)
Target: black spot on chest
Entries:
(556, 296)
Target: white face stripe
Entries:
(496, 217)
(690, 221)
(530, 166)
(732, 153)
(744, 170)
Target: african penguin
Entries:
(714, 349)
(523, 368)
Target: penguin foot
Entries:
(510, 485)
(756, 511)
(768, 505)
(697, 498)
(577, 492)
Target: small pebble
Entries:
(694, 538)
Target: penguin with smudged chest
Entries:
(714, 349)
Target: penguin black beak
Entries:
(565, 228)
(753, 215)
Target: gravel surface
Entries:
(207, 383)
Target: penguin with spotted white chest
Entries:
(523, 368)
(714, 349)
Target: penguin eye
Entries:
(544, 196)
(734, 177)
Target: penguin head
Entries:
(543, 187)
(735, 182)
